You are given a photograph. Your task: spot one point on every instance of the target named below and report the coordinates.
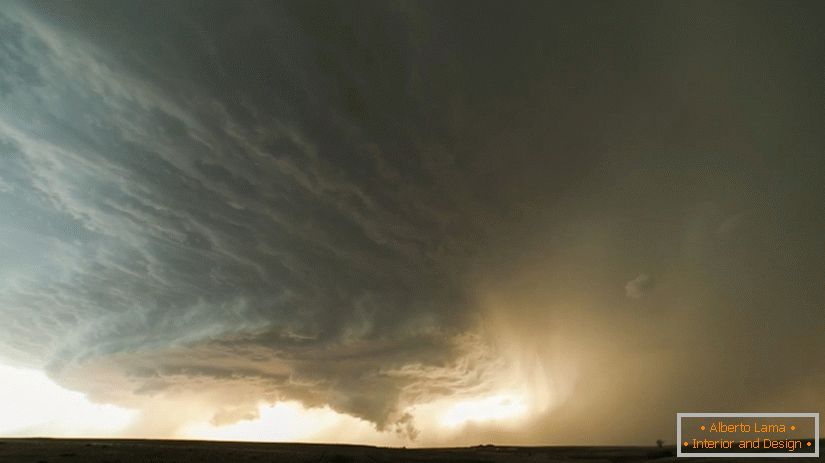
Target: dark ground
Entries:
(154, 451)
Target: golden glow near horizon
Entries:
(516, 389)
(34, 405)
(499, 407)
(289, 421)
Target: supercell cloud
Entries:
(372, 207)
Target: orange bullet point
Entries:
(702, 427)
(793, 428)
(685, 444)
(809, 444)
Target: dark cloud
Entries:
(317, 201)
(201, 217)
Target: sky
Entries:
(414, 223)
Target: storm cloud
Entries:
(374, 205)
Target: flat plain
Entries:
(171, 451)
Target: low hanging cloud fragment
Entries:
(639, 286)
